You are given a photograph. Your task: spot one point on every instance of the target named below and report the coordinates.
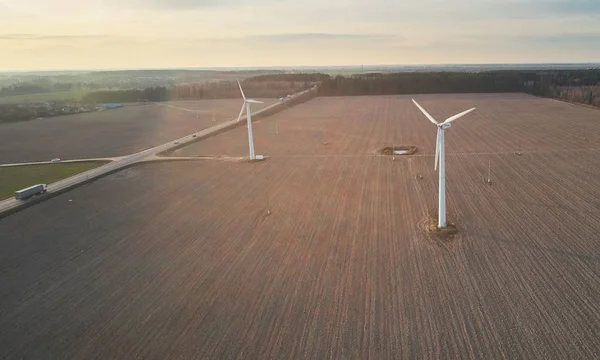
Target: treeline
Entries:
(424, 83)
(31, 88)
(299, 77)
(572, 85)
(270, 86)
(589, 77)
(159, 93)
(589, 95)
(580, 86)
(11, 112)
(23, 89)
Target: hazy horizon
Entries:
(358, 67)
(69, 35)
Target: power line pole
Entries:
(489, 177)
(267, 189)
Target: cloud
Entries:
(36, 37)
(436, 12)
(182, 4)
(266, 38)
(319, 36)
(542, 40)
(168, 4)
(295, 39)
(574, 39)
(566, 7)
(216, 32)
(539, 8)
(56, 8)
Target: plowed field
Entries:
(181, 260)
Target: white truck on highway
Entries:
(30, 191)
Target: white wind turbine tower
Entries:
(246, 104)
(440, 157)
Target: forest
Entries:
(580, 86)
(264, 86)
(577, 86)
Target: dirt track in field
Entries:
(181, 260)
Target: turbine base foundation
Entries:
(444, 234)
(400, 150)
(246, 159)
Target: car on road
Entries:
(55, 161)
(175, 142)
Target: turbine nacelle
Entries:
(246, 103)
(441, 127)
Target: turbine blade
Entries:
(425, 112)
(254, 101)
(437, 149)
(241, 112)
(457, 116)
(242, 91)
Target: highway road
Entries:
(12, 204)
(62, 161)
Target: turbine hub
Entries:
(445, 126)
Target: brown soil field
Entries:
(181, 260)
(361, 125)
(110, 133)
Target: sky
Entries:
(131, 34)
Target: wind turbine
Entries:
(246, 104)
(440, 157)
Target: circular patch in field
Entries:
(429, 225)
(447, 238)
(398, 150)
(445, 234)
